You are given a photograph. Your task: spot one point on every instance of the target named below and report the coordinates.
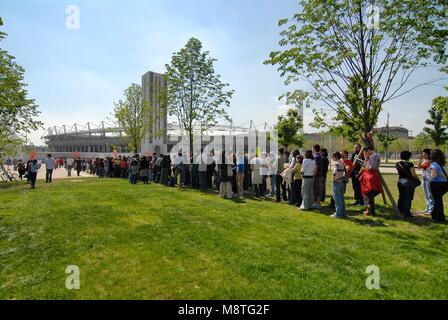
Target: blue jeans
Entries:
(428, 196)
(202, 180)
(406, 190)
(272, 182)
(338, 196)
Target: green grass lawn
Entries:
(154, 242)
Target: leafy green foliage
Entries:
(133, 116)
(17, 111)
(354, 69)
(195, 94)
(288, 127)
(423, 141)
(386, 140)
(437, 128)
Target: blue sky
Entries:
(76, 75)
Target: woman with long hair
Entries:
(439, 183)
(424, 165)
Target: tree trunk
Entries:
(367, 139)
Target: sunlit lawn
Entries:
(155, 242)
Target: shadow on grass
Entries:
(9, 185)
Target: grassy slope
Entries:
(153, 242)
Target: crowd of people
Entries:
(300, 180)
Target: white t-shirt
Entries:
(69, 162)
(308, 167)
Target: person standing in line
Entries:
(165, 170)
(371, 185)
(264, 172)
(203, 160)
(106, 166)
(439, 184)
(33, 173)
(134, 169)
(407, 183)
(101, 168)
(297, 179)
(240, 169)
(110, 173)
(318, 177)
(325, 167)
(255, 165)
(69, 165)
(78, 166)
(158, 168)
(425, 165)
(338, 185)
(280, 187)
(355, 173)
(49, 166)
(292, 163)
(144, 170)
(225, 177)
(179, 166)
(308, 171)
(272, 173)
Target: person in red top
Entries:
(347, 162)
(124, 167)
(370, 179)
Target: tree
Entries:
(436, 129)
(354, 66)
(195, 95)
(17, 111)
(288, 129)
(441, 104)
(133, 116)
(423, 141)
(386, 141)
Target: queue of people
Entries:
(297, 179)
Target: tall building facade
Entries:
(156, 141)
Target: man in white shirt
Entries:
(69, 166)
(49, 166)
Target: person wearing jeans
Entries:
(406, 183)
(338, 185)
(49, 166)
(424, 165)
(240, 169)
(69, 166)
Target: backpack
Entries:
(171, 182)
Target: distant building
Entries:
(398, 132)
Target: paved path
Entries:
(61, 173)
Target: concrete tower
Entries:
(156, 140)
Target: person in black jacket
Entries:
(407, 183)
(325, 166)
(144, 170)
